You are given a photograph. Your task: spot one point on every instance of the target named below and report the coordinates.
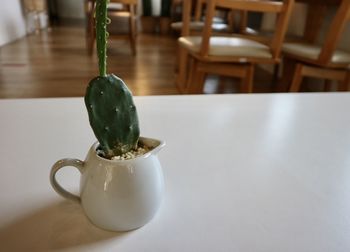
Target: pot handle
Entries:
(56, 186)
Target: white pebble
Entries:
(131, 154)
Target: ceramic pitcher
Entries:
(117, 195)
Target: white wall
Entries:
(12, 22)
(156, 7)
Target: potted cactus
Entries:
(109, 102)
(121, 182)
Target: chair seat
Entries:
(313, 51)
(199, 25)
(228, 46)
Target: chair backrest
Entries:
(282, 8)
(123, 14)
(334, 32)
(124, 1)
(89, 3)
(34, 5)
(189, 11)
(127, 5)
(198, 11)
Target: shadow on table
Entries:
(59, 225)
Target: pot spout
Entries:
(154, 144)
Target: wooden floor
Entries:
(56, 64)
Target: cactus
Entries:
(112, 113)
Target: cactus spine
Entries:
(112, 112)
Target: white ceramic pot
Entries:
(117, 195)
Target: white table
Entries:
(242, 173)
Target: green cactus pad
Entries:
(112, 115)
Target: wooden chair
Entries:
(221, 23)
(319, 61)
(122, 14)
(36, 8)
(196, 23)
(228, 55)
